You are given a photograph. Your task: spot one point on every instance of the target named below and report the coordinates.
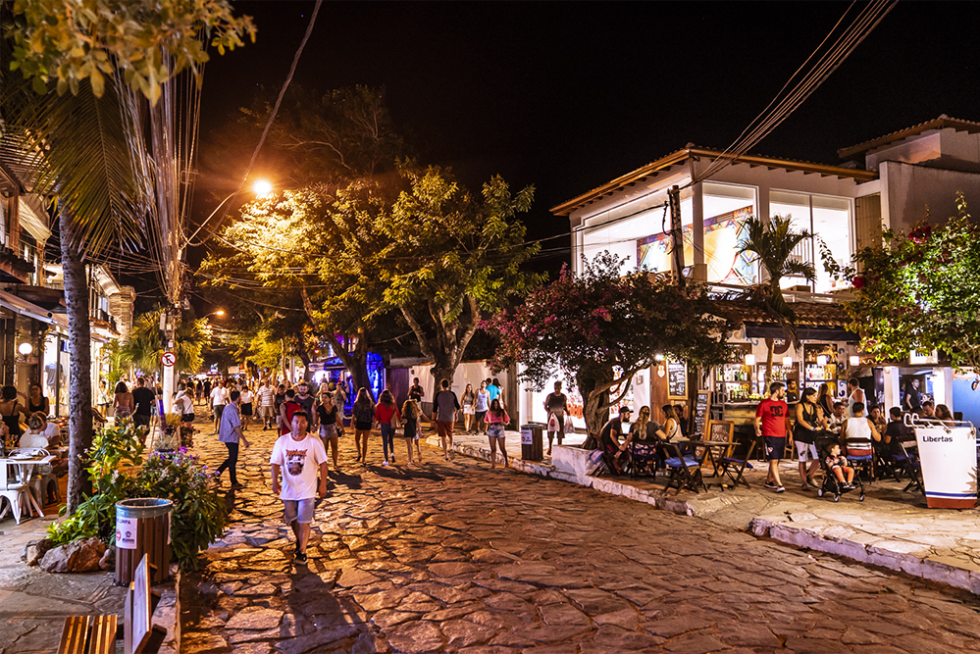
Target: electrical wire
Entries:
(867, 20)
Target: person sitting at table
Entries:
(39, 433)
(11, 409)
(615, 452)
(648, 432)
(672, 424)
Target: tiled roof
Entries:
(810, 314)
(936, 123)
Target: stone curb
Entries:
(873, 555)
(869, 554)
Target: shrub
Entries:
(199, 516)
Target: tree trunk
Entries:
(285, 369)
(80, 384)
(593, 412)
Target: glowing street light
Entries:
(262, 188)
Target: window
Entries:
(828, 219)
(726, 207)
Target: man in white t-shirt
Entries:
(298, 456)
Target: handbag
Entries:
(596, 465)
(394, 423)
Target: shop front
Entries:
(35, 347)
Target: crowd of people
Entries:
(838, 432)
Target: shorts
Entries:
(218, 408)
(774, 446)
(480, 415)
(300, 511)
(802, 449)
(328, 431)
(187, 417)
(267, 412)
(496, 430)
(468, 410)
(247, 409)
(444, 428)
(362, 426)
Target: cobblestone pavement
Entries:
(453, 557)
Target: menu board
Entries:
(720, 431)
(677, 380)
(700, 412)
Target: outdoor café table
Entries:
(23, 466)
(708, 447)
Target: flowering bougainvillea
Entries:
(588, 326)
(920, 292)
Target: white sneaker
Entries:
(385, 463)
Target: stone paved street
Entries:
(453, 557)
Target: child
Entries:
(838, 466)
(411, 413)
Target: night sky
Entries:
(566, 96)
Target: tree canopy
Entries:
(598, 330)
(920, 292)
(150, 41)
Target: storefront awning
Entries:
(31, 310)
(835, 334)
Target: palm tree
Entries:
(772, 243)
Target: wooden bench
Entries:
(97, 634)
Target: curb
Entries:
(870, 554)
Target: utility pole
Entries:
(676, 233)
(168, 325)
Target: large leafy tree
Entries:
(87, 164)
(290, 248)
(450, 259)
(772, 242)
(599, 329)
(920, 292)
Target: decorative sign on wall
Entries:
(677, 380)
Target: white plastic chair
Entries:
(15, 492)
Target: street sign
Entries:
(168, 359)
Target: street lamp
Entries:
(219, 313)
(262, 188)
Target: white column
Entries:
(942, 386)
(168, 388)
(892, 388)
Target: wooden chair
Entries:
(97, 634)
(685, 468)
(733, 466)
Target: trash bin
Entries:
(948, 455)
(532, 445)
(142, 527)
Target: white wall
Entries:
(468, 372)
(912, 188)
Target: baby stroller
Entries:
(831, 486)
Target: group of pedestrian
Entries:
(854, 428)
(476, 405)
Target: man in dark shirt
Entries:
(143, 399)
(306, 401)
(895, 432)
(609, 439)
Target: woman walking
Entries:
(124, 404)
(497, 418)
(809, 421)
(411, 414)
(388, 416)
(363, 411)
(331, 425)
(481, 407)
(469, 413)
(246, 406)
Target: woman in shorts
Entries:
(246, 399)
(363, 411)
(411, 414)
(331, 425)
(469, 414)
(481, 406)
(497, 419)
